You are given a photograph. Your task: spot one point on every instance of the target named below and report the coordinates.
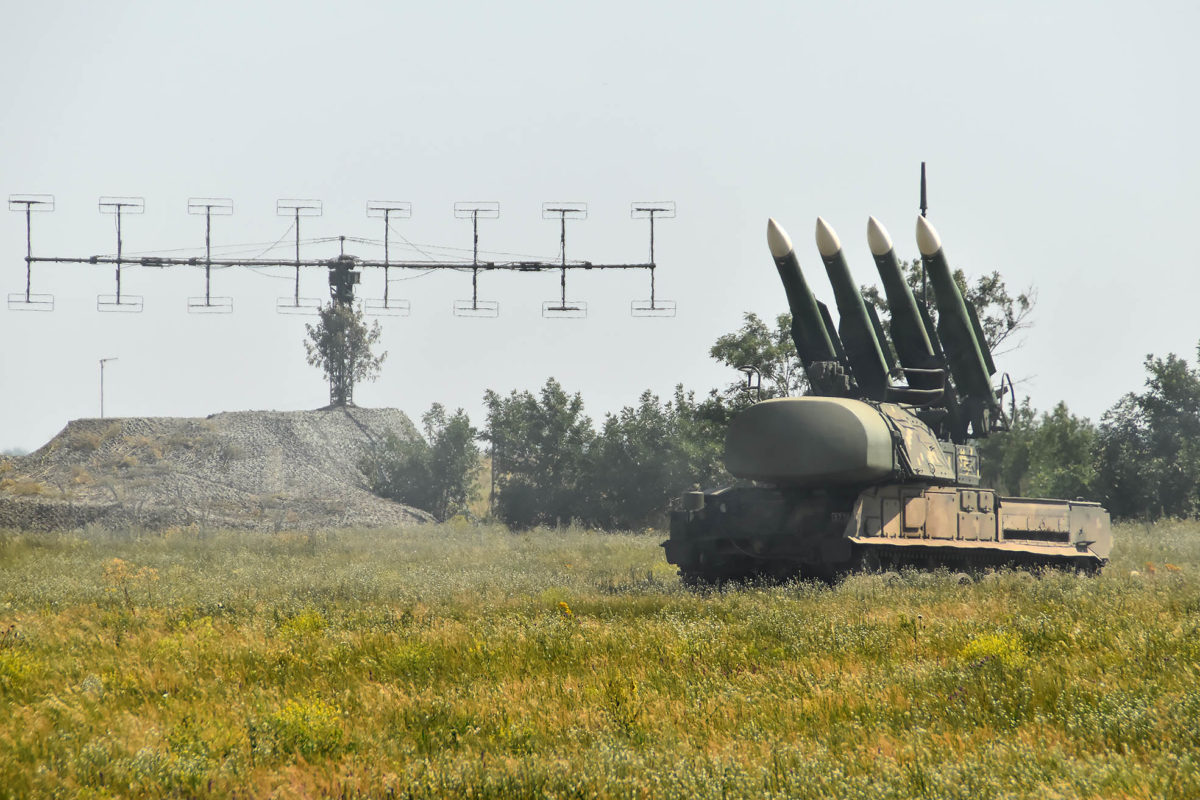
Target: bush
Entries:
(434, 473)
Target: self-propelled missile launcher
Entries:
(876, 467)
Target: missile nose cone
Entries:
(928, 240)
(827, 241)
(777, 239)
(877, 237)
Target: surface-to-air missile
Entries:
(867, 471)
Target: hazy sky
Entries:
(1061, 142)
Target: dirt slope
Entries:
(266, 470)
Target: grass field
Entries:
(459, 661)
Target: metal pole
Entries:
(207, 254)
(562, 243)
(651, 258)
(475, 260)
(118, 261)
(28, 248)
(297, 296)
(387, 226)
(475, 233)
(103, 361)
(652, 235)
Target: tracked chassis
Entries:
(741, 533)
(866, 485)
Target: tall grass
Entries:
(453, 660)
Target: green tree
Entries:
(1148, 447)
(768, 349)
(340, 344)
(646, 455)
(1061, 456)
(1004, 458)
(1002, 315)
(539, 451)
(1046, 455)
(435, 472)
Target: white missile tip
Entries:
(777, 239)
(877, 237)
(827, 241)
(928, 240)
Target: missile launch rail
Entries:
(876, 468)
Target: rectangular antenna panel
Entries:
(34, 202)
(394, 308)
(485, 209)
(129, 304)
(390, 208)
(291, 207)
(659, 308)
(210, 305)
(307, 306)
(479, 309)
(125, 205)
(557, 309)
(216, 206)
(559, 210)
(659, 209)
(31, 302)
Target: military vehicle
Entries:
(875, 468)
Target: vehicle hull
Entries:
(772, 532)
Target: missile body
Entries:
(812, 339)
(863, 349)
(908, 332)
(956, 328)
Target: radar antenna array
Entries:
(344, 270)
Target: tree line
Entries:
(551, 465)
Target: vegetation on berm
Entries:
(456, 660)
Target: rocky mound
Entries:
(265, 470)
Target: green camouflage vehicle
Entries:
(869, 471)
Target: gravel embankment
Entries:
(264, 470)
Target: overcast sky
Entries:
(1060, 137)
